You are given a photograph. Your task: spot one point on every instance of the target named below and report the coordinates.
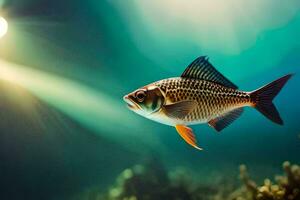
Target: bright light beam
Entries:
(102, 113)
(3, 27)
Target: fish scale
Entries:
(213, 99)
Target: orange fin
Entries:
(187, 134)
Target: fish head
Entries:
(146, 100)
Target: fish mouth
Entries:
(130, 103)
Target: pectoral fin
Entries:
(187, 134)
(180, 109)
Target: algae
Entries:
(151, 181)
(285, 187)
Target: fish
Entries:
(202, 95)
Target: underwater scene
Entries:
(149, 100)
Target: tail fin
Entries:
(262, 98)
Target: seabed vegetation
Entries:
(151, 181)
(285, 187)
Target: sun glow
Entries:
(93, 108)
(3, 27)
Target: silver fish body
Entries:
(202, 95)
(212, 99)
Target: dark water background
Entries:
(65, 66)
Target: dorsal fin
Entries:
(202, 69)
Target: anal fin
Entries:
(187, 134)
(223, 121)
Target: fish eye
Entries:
(140, 95)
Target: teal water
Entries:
(65, 66)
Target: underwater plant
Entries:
(146, 182)
(151, 181)
(286, 187)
